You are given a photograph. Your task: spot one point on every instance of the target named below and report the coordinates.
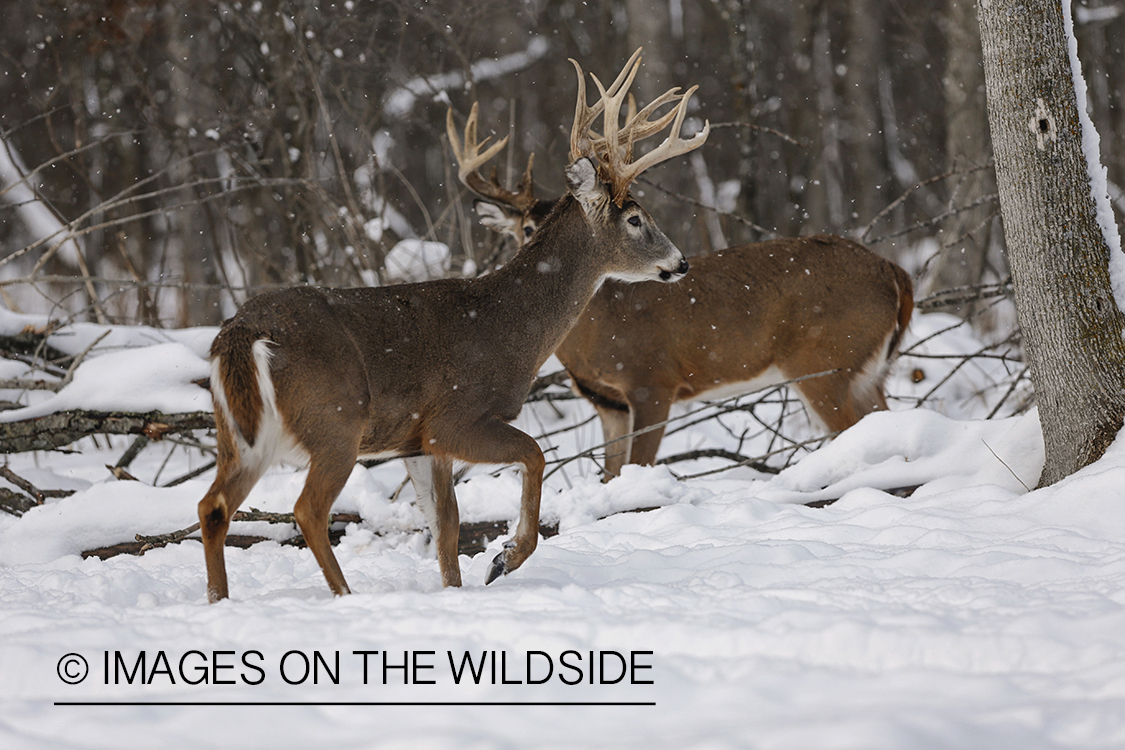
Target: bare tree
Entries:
(1059, 253)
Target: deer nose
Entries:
(681, 269)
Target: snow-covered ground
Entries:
(972, 614)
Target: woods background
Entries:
(196, 152)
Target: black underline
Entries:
(355, 703)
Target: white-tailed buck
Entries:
(745, 318)
(432, 372)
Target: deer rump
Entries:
(744, 318)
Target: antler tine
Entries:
(611, 101)
(470, 160)
(638, 122)
(672, 147)
(582, 141)
(614, 148)
(583, 118)
(637, 126)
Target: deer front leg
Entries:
(496, 442)
(432, 477)
(526, 538)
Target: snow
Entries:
(41, 222)
(972, 613)
(417, 260)
(155, 378)
(1099, 179)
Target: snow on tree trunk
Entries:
(1059, 256)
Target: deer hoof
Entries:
(499, 568)
(500, 563)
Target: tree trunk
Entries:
(965, 236)
(1072, 326)
(864, 58)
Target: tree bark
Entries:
(1059, 256)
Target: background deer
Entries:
(745, 318)
(434, 371)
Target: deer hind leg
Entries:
(432, 477)
(496, 442)
(328, 472)
(647, 412)
(232, 484)
(841, 399)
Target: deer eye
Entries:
(634, 221)
(528, 231)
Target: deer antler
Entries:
(614, 149)
(470, 159)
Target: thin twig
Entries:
(926, 224)
(697, 204)
(764, 129)
(78, 360)
(717, 453)
(761, 458)
(924, 183)
(31, 489)
(192, 474)
(1002, 461)
(1011, 389)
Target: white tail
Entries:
(745, 318)
(432, 372)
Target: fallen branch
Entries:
(31, 489)
(30, 347)
(63, 428)
(473, 540)
(15, 503)
(51, 385)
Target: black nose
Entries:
(681, 269)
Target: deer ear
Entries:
(582, 180)
(497, 219)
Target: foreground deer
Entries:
(433, 371)
(745, 318)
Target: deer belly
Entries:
(721, 388)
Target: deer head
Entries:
(518, 213)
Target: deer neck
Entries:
(549, 282)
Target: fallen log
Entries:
(473, 540)
(53, 431)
